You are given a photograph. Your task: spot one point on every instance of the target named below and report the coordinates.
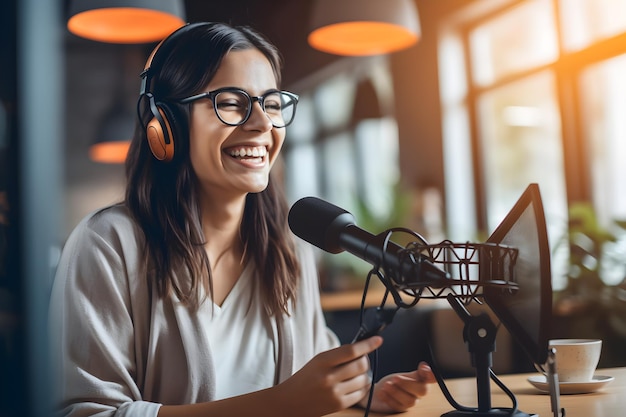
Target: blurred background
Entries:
(441, 137)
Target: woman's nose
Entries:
(258, 119)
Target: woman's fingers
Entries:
(332, 380)
(346, 353)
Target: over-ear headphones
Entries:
(161, 130)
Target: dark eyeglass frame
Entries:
(251, 99)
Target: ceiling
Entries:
(284, 22)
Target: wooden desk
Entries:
(610, 401)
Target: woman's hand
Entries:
(331, 381)
(399, 392)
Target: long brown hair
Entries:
(162, 196)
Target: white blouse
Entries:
(243, 340)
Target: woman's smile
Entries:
(248, 152)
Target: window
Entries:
(521, 143)
(533, 91)
(603, 102)
(343, 144)
(343, 147)
(518, 39)
(585, 22)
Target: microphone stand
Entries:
(479, 333)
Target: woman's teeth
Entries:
(246, 152)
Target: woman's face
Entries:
(216, 148)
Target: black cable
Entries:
(400, 303)
(434, 366)
(370, 394)
(446, 392)
(364, 296)
(506, 390)
(373, 367)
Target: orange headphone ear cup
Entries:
(161, 129)
(160, 135)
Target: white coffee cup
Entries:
(576, 359)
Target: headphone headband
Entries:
(149, 68)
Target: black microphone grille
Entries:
(319, 222)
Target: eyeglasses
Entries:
(233, 106)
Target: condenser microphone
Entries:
(333, 230)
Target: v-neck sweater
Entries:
(121, 350)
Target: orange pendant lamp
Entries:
(125, 21)
(114, 136)
(363, 27)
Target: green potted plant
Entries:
(590, 306)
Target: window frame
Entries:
(567, 69)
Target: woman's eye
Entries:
(231, 105)
(272, 105)
(231, 101)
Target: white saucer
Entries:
(595, 384)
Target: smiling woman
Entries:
(193, 289)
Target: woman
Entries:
(191, 297)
